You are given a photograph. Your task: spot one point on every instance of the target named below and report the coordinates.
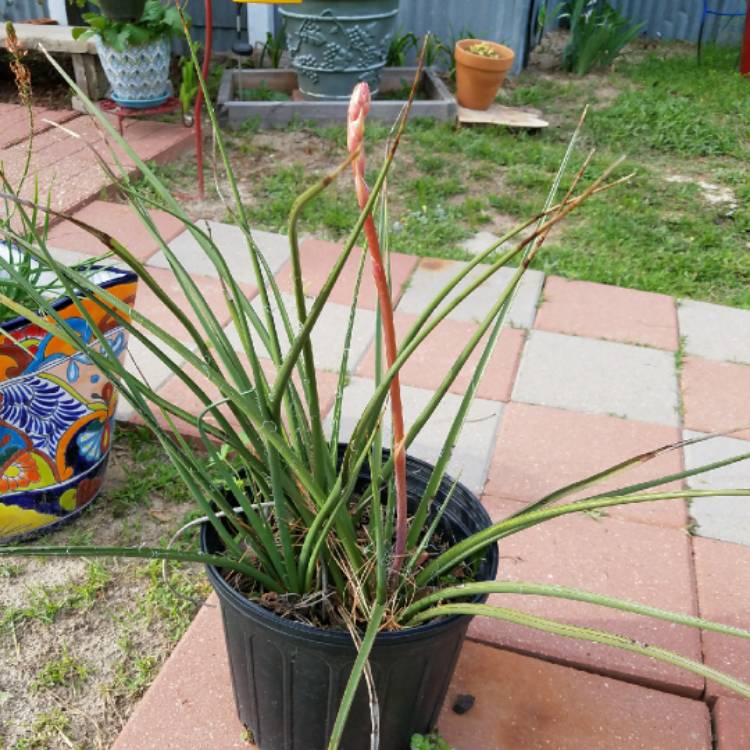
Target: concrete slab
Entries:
(432, 274)
(598, 377)
(725, 518)
(634, 561)
(471, 456)
(529, 704)
(715, 331)
(231, 241)
(327, 337)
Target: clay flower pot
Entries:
(479, 77)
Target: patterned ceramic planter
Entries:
(335, 44)
(139, 75)
(56, 416)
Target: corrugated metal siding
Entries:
(507, 21)
(224, 22)
(18, 10)
(680, 19)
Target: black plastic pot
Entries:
(122, 10)
(288, 677)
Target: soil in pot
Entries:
(480, 76)
(289, 677)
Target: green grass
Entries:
(671, 117)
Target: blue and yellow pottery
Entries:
(56, 415)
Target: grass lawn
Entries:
(680, 125)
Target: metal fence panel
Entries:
(20, 10)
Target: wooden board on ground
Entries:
(497, 114)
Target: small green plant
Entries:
(188, 85)
(263, 93)
(483, 50)
(597, 35)
(65, 671)
(157, 21)
(274, 47)
(429, 742)
(400, 47)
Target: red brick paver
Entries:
(118, 220)
(608, 312)
(715, 395)
(723, 577)
(732, 724)
(639, 562)
(318, 258)
(429, 364)
(540, 449)
(527, 704)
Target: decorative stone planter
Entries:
(139, 75)
(335, 44)
(56, 416)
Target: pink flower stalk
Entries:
(359, 106)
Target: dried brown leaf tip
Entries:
(20, 70)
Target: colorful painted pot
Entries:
(56, 415)
(335, 44)
(138, 74)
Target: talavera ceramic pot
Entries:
(335, 44)
(57, 413)
(139, 74)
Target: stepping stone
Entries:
(715, 396)
(317, 258)
(599, 311)
(598, 377)
(118, 220)
(531, 439)
(715, 331)
(722, 573)
(328, 336)
(471, 455)
(433, 274)
(724, 518)
(527, 704)
(732, 723)
(233, 246)
(431, 361)
(633, 561)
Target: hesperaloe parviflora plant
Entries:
(295, 522)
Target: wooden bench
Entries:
(87, 70)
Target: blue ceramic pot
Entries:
(139, 75)
(335, 44)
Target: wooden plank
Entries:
(53, 38)
(511, 117)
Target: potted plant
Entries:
(346, 573)
(136, 55)
(335, 44)
(481, 68)
(56, 406)
(121, 10)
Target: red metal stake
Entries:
(745, 60)
(199, 97)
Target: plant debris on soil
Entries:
(81, 640)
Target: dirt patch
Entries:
(49, 89)
(81, 640)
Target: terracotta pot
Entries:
(479, 78)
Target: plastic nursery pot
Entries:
(479, 78)
(57, 415)
(335, 44)
(138, 74)
(289, 677)
(122, 10)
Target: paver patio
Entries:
(590, 374)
